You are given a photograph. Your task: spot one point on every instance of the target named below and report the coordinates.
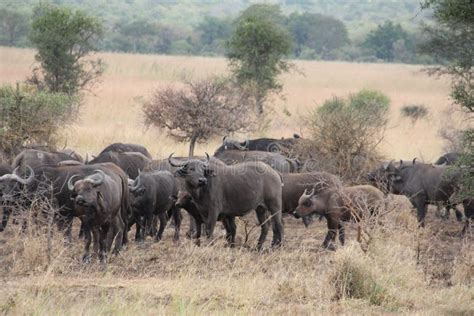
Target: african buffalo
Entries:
(340, 204)
(123, 148)
(151, 194)
(276, 161)
(448, 159)
(228, 191)
(130, 162)
(101, 202)
(4, 169)
(423, 184)
(294, 184)
(259, 144)
(35, 158)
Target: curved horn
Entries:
(414, 160)
(175, 163)
(137, 185)
(70, 182)
(130, 182)
(311, 192)
(224, 138)
(206, 163)
(99, 181)
(15, 176)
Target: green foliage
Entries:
(63, 38)
(322, 34)
(347, 130)
(213, 32)
(14, 27)
(387, 40)
(451, 42)
(28, 116)
(256, 53)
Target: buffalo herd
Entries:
(123, 186)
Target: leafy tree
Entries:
(64, 39)
(346, 131)
(384, 38)
(201, 109)
(451, 42)
(256, 53)
(318, 32)
(28, 116)
(13, 27)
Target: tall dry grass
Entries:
(114, 114)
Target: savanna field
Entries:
(400, 270)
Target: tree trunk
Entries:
(192, 144)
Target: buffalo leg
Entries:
(264, 226)
(211, 224)
(103, 244)
(192, 227)
(163, 220)
(277, 225)
(197, 236)
(342, 234)
(6, 215)
(86, 258)
(177, 222)
(333, 226)
(231, 228)
(420, 203)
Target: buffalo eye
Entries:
(307, 203)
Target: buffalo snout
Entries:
(296, 214)
(202, 182)
(80, 200)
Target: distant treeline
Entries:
(315, 36)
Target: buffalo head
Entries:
(305, 204)
(12, 184)
(194, 171)
(86, 192)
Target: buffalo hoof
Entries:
(87, 259)
(330, 247)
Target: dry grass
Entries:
(403, 270)
(151, 278)
(113, 114)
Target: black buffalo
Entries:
(278, 162)
(260, 144)
(101, 200)
(151, 195)
(423, 184)
(123, 148)
(36, 158)
(448, 159)
(130, 162)
(221, 192)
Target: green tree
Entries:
(318, 32)
(256, 53)
(385, 38)
(64, 39)
(29, 116)
(13, 27)
(451, 42)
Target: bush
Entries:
(28, 116)
(414, 112)
(347, 131)
(202, 109)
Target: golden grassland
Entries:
(113, 113)
(402, 270)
